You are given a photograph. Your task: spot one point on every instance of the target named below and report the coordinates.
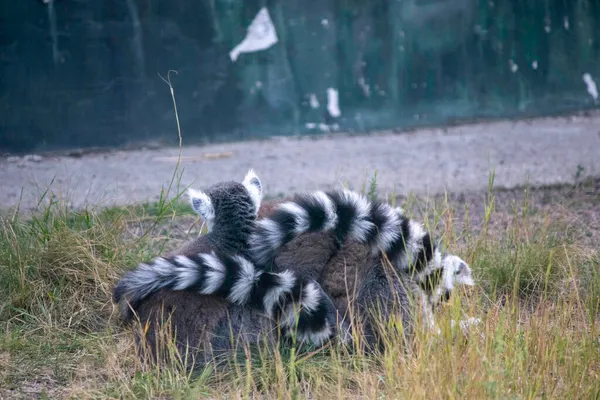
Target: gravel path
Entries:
(426, 161)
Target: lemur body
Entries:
(349, 215)
(215, 266)
(376, 226)
(370, 228)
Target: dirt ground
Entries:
(542, 152)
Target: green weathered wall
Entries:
(75, 73)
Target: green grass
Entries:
(538, 299)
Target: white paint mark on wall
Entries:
(313, 101)
(325, 23)
(566, 22)
(364, 86)
(534, 65)
(513, 67)
(592, 89)
(322, 127)
(333, 105)
(260, 35)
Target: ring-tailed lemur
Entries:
(347, 214)
(229, 210)
(384, 229)
(214, 264)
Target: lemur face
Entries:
(227, 200)
(456, 272)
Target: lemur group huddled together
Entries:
(311, 266)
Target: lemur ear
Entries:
(254, 187)
(201, 204)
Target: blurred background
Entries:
(86, 73)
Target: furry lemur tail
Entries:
(236, 279)
(350, 216)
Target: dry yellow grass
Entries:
(538, 300)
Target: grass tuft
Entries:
(58, 267)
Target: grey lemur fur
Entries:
(214, 264)
(382, 229)
(371, 228)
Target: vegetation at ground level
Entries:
(535, 257)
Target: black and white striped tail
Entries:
(349, 215)
(236, 279)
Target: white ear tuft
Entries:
(254, 186)
(201, 204)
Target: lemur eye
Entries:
(460, 268)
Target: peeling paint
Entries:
(314, 102)
(322, 127)
(260, 35)
(592, 89)
(333, 103)
(366, 89)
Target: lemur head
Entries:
(456, 272)
(227, 202)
